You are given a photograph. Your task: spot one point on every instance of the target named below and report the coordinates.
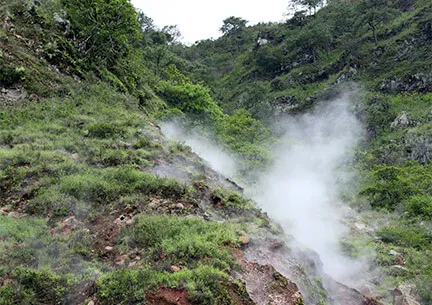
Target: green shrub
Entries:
(185, 239)
(205, 285)
(406, 236)
(7, 295)
(419, 205)
(127, 286)
(41, 286)
(106, 130)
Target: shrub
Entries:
(419, 205)
(106, 130)
(185, 239)
(41, 285)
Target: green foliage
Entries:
(105, 130)
(41, 286)
(409, 185)
(199, 244)
(185, 240)
(233, 26)
(193, 99)
(204, 284)
(231, 203)
(374, 13)
(414, 237)
(105, 29)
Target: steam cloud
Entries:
(219, 159)
(301, 190)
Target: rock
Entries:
(418, 147)
(91, 302)
(14, 214)
(401, 122)
(129, 222)
(131, 264)
(415, 83)
(397, 270)
(360, 226)
(406, 294)
(121, 219)
(74, 157)
(395, 253)
(108, 248)
(120, 260)
(175, 269)
(285, 104)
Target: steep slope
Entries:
(98, 206)
(383, 47)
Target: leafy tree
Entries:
(313, 38)
(311, 5)
(374, 13)
(233, 26)
(146, 23)
(104, 30)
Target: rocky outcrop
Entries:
(419, 82)
(406, 294)
(265, 285)
(401, 122)
(418, 148)
(304, 268)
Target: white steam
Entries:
(301, 190)
(219, 159)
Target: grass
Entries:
(43, 267)
(200, 248)
(185, 240)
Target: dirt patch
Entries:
(104, 230)
(168, 296)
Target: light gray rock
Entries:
(401, 122)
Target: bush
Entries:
(41, 286)
(205, 285)
(106, 130)
(184, 239)
(419, 205)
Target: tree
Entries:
(374, 13)
(104, 29)
(311, 5)
(233, 26)
(313, 38)
(146, 23)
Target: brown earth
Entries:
(168, 296)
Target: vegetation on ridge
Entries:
(94, 199)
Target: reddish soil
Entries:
(168, 296)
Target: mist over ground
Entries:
(300, 191)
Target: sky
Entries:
(198, 19)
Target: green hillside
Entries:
(86, 217)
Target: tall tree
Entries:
(374, 13)
(104, 29)
(233, 26)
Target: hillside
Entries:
(101, 203)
